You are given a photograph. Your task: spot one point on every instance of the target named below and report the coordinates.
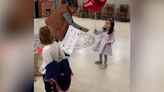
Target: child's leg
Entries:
(100, 59)
(48, 86)
(104, 66)
(105, 59)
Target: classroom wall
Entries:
(115, 2)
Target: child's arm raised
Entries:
(69, 19)
(98, 31)
(61, 53)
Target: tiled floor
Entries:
(88, 77)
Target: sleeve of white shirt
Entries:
(61, 53)
(57, 53)
(42, 68)
(47, 58)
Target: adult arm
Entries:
(69, 19)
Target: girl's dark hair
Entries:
(111, 29)
(45, 36)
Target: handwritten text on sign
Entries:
(70, 39)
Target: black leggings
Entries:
(48, 86)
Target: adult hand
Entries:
(85, 29)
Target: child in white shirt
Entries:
(51, 51)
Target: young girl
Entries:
(103, 45)
(51, 51)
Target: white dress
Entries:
(101, 46)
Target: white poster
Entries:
(69, 41)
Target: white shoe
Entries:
(104, 66)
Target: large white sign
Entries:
(70, 39)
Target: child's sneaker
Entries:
(98, 62)
(104, 66)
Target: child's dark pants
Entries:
(49, 87)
